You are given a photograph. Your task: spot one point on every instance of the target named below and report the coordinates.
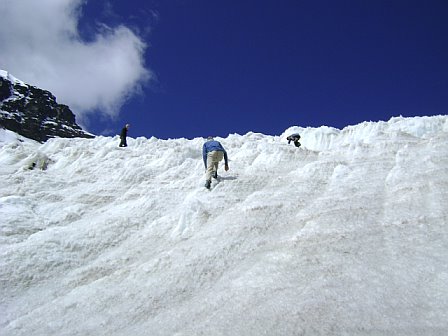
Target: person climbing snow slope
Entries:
(212, 153)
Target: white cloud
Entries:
(40, 45)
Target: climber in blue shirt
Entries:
(212, 153)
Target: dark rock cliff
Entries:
(34, 113)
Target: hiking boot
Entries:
(208, 184)
(215, 175)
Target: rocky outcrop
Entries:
(34, 113)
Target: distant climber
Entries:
(212, 153)
(295, 138)
(123, 135)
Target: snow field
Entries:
(346, 235)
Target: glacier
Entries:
(347, 235)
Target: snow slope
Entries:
(346, 235)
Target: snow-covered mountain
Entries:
(34, 113)
(347, 235)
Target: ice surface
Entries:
(346, 235)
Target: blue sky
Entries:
(223, 67)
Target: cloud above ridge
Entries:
(41, 45)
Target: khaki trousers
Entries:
(213, 159)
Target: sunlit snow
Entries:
(346, 235)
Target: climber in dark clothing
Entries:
(123, 135)
(295, 138)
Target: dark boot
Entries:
(208, 184)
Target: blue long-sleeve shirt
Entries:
(210, 146)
